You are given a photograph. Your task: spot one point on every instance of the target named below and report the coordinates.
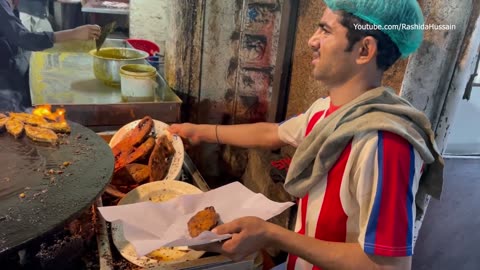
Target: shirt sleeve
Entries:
(387, 176)
(293, 130)
(11, 27)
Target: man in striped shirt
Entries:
(360, 215)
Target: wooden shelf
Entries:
(93, 6)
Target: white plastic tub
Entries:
(138, 82)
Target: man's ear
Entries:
(367, 50)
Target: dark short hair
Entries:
(388, 52)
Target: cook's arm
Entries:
(84, 32)
(264, 135)
(18, 35)
(250, 234)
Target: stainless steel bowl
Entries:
(107, 62)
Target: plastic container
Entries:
(138, 83)
(108, 61)
(144, 45)
(154, 60)
(157, 62)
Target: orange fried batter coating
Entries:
(204, 220)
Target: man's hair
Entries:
(387, 53)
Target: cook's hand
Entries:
(87, 32)
(187, 131)
(249, 234)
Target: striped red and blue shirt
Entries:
(367, 196)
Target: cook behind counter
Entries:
(14, 37)
(15, 41)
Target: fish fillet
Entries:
(160, 159)
(14, 127)
(3, 121)
(39, 134)
(60, 127)
(30, 119)
(204, 220)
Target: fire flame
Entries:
(46, 112)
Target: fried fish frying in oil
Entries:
(14, 127)
(39, 121)
(41, 134)
(30, 119)
(3, 121)
(60, 127)
(204, 220)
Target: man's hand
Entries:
(187, 131)
(249, 234)
(86, 32)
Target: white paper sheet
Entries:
(149, 226)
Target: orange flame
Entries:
(46, 112)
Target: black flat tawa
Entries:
(54, 193)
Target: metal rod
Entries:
(196, 176)
(104, 251)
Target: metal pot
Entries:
(107, 62)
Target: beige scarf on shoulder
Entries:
(377, 109)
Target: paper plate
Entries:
(155, 191)
(177, 160)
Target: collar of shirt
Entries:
(331, 109)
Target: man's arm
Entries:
(332, 255)
(18, 35)
(264, 135)
(84, 32)
(251, 234)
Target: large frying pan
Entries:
(51, 199)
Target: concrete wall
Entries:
(464, 138)
(149, 20)
(220, 59)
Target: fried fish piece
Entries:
(31, 119)
(122, 151)
(14, 127)
(167, 254)
(132, 173)
(39, 134)
(59, 127)
(3, 116)
(3, 121)
(160, 159)
(39, 121)
(204, 220)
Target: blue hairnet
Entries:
(402, 13)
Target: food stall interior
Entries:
(51, 191)
(214, 62)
